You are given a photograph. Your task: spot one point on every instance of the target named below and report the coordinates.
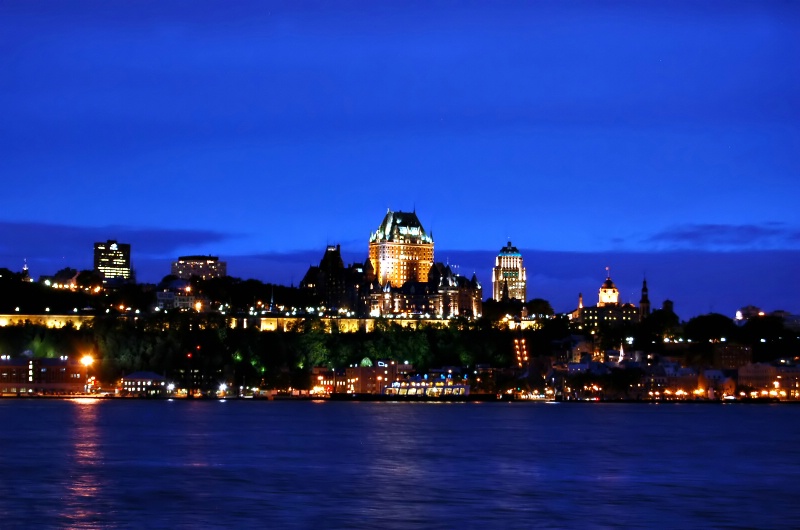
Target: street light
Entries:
(87, 361)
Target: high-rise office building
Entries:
(400, 250)
(508, 275)
(113, 260)
(204, 267)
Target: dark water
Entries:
(236, 464)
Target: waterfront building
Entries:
(144, 384)
(508, 275)
(29, 376)
(373, 379)
(203, 267)
(113, 260)
(757, 376)
(400, 250)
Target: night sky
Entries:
(659, 139)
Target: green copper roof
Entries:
(401, 226)
(510, 251)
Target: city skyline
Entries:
(658, 141)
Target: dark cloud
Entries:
(75, 244)
(696, 281)
(727, 237)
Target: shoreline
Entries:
(344, 398)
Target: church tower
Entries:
(644, 303)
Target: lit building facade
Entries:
(144, 384)
(400, 250)
(23, 375)
(444, 295)
(508, 275)
(608, 312)
(609, 294)
(204, 267)
(113, 260)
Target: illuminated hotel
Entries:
(400, 250)
(508, 275)
(204, 267)
(112, 260)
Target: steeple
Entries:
(644, 303)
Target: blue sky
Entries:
(590, 134)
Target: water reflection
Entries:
(83, 485)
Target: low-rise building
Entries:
(144, 384)
(29, 376)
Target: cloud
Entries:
(697, 281)
(727, 237)
(43, 240)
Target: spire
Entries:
(608, 273)
(644, 303)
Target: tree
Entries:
(65, 275)
(539, 308)
(710, 327)
(89, 280)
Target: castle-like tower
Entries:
(400, 250)
(509, 274)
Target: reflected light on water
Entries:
(83, 485)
